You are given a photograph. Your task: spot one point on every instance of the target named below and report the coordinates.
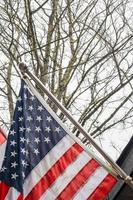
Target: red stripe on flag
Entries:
(20, 197)
(104, 188)
(3, 190)
(2, 137)
(78, 180)
(56, 170)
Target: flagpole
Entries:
(24, 70)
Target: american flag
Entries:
(43, 162)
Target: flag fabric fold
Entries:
(2, 137)
(2, 145)
(43, 162)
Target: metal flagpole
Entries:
(121, 174)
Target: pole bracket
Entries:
(24, 69)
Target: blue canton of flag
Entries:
(43, 162)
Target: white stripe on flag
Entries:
(93, 182)
(66, 177)
(45, 164)
(2, 153)
(12, 194)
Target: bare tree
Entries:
(82, 50)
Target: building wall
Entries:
(122, 191)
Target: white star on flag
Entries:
(47, 129)
(13, 122)
(29, 118)
(25, 96)
(36, 151)
(39, 118)
(25, 87)
(40, 108)
(14, 176)
(37, 140)
(28, 129)
(24, 163)
(13, 143)
(22, 139)
(12, 132)
(46, 139)
(26, 153)
(38, 129)
(30, 108)
(3, 169)
(32, 98)
(23, 150)
(14, 164)
(21, 129)
(20, 119)
(13, 153)
(57, 129)
(27, 141)
(20, 109)
(49, 119)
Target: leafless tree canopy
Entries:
(82, 50)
